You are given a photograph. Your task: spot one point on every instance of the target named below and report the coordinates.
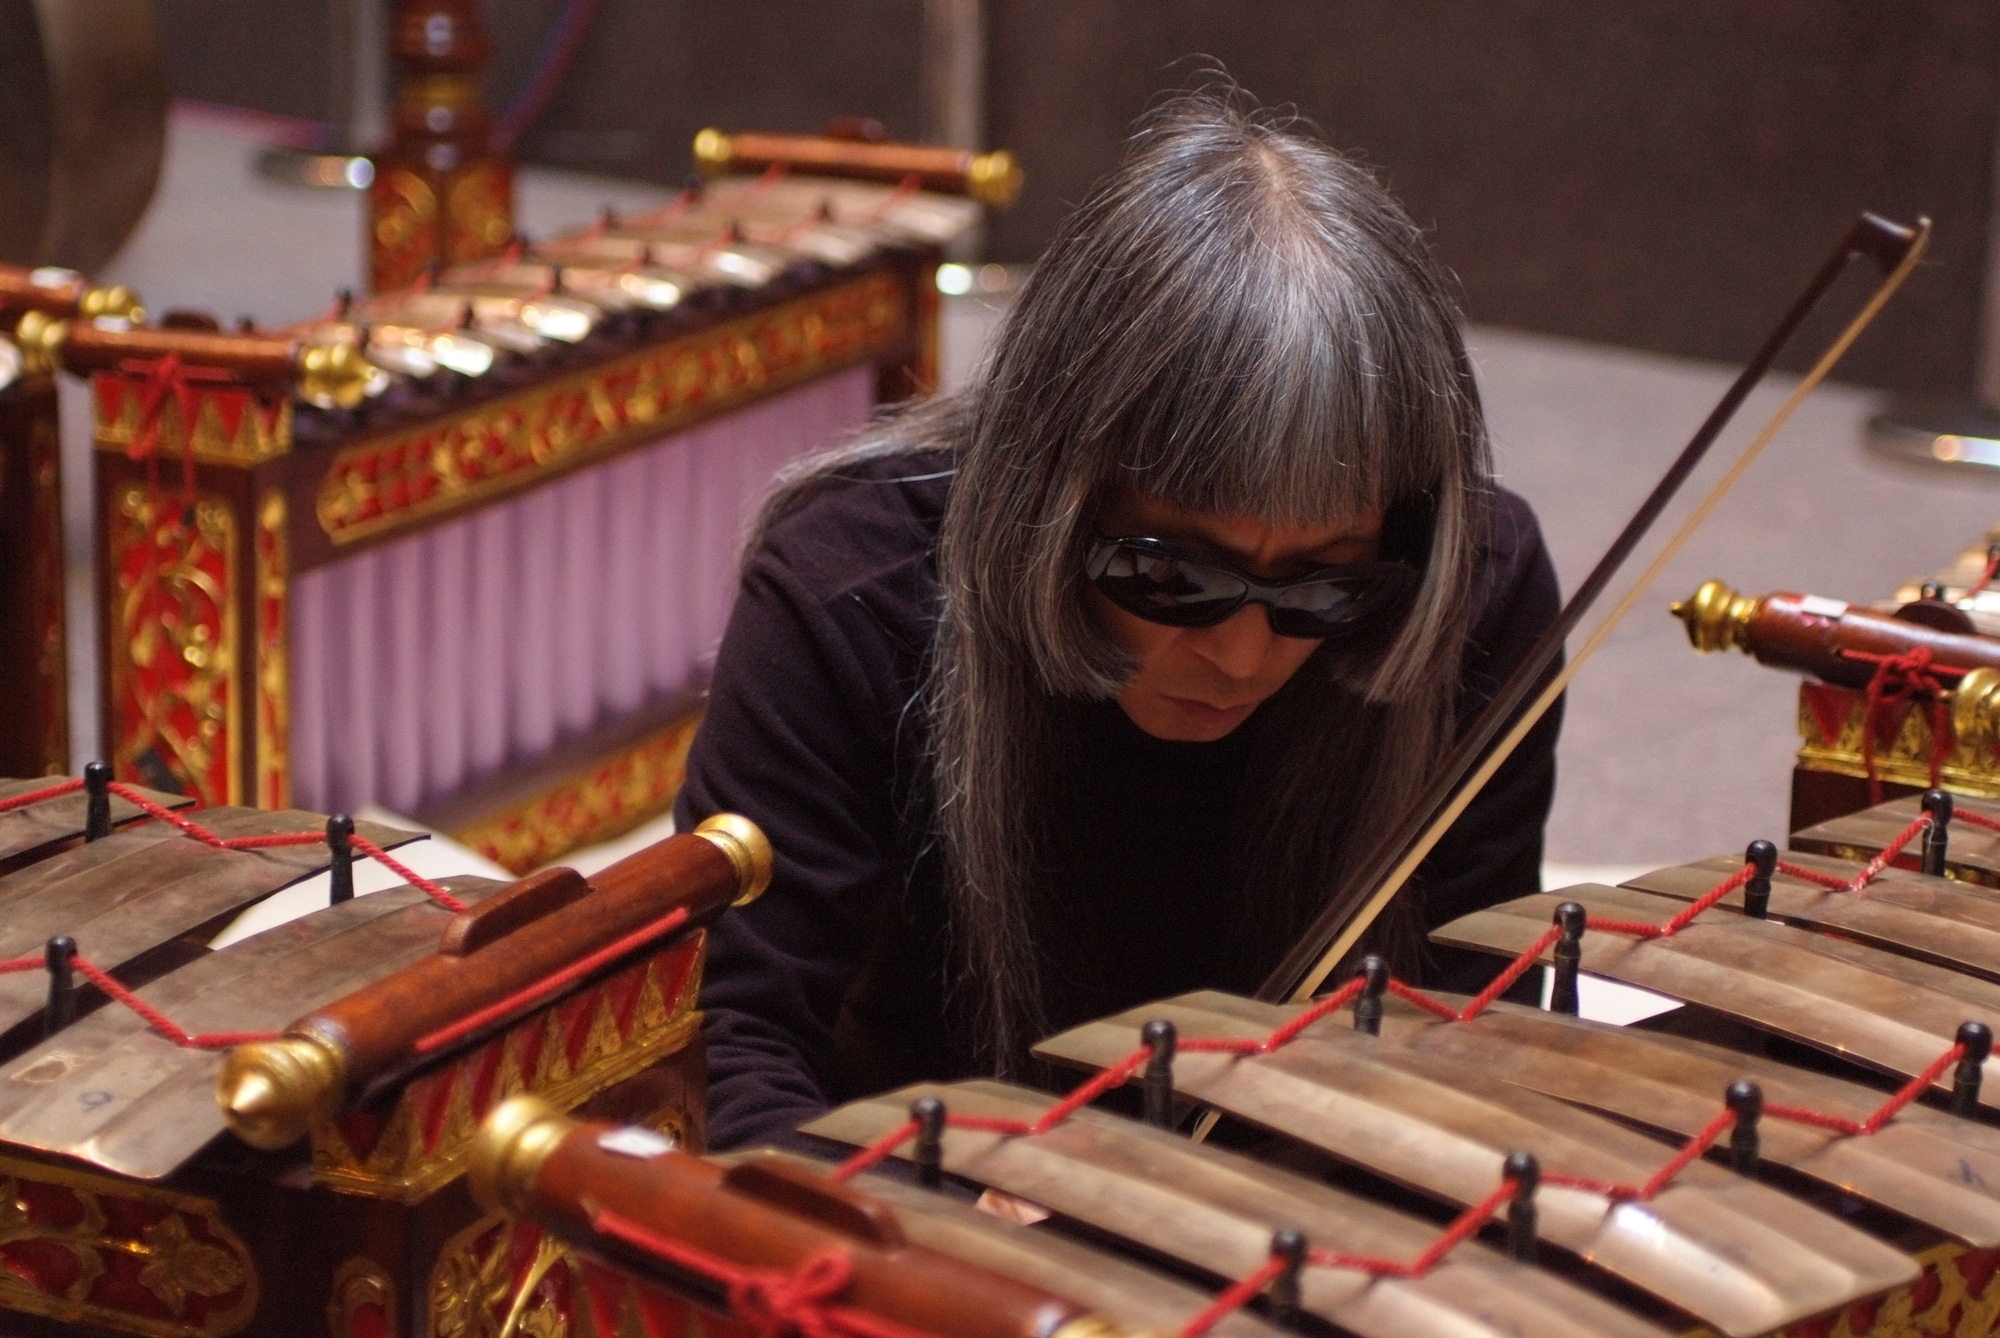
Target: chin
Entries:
(1175, 720)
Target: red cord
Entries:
(1237, 1295)
(56, 791)
(1898, 678)
(422, 884)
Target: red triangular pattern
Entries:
(1889, 718)
(604, 1294)
(573, 1016)
(526, 1037)
(485, 1066)
(1830, 707)
(435, 1103)
(229, 407)
(359, 1129)
(663, 1315)
(623, 990)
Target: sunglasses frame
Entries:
(1385, 583)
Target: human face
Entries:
(1196, 684)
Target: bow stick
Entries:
(1471, 762)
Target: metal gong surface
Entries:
(83, 124)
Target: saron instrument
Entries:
(270, 1137)
(338, 558)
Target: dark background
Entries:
(1653, 173)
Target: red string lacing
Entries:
(1986, 577)
(161, 379)
(770, 1302)
(164, 1025)
(1477, 1215)
(1899, 678)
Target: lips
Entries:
(1207, 714)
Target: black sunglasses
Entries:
(1152, 579)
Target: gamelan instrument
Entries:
(464, 550)
(269, 1137)
(34, 729)
(1805, 1147)
(1900, 698)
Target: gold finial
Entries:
(1095, 1326)
(712, 152)
(994, 178)
(335, 374)
(272, 1092)
(508, 1152)
(1716, 617)
(749, 851)
(118, 301)
(40, 337)
(1975, 708)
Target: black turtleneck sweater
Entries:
(835, 983)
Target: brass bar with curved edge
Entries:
(1934, 919)
(1537, 681)
(1743, 1257)
(144, 886)
(1972, 854)
(992, 178)
(1128, 1295)
(569, 1176)
(1893, 1014)
(272, 1092)
(34, 829)
(109, 1091)
(1217, 1210)
(1928, 1166)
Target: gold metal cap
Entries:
(272, 1092)
(335, 375)
(748, 850)
(117, 300)
(1975, 708)
(40, 337)
(1716, 617)
(712, 152)
(994, 178)
(508, 1152)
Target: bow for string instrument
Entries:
(1539, 680)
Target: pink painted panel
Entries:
(435, 662)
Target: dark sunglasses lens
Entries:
(1328, 607)
(1164, 588)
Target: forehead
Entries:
(1131, 512)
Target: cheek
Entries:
(1147, 643)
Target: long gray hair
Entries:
(1239, 321)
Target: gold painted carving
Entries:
(360, 1284)
(232, 424)
(425, 1139)
(45, 579)
(273, 723)
(406, 477)
(611, 798)
(198, 1274)
(175, 651)
(479, 1290)
(1904, 759)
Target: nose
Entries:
(1239, 644)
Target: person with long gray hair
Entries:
(1087, 683)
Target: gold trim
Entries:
(175, 688)
(262, 429)
(1904, 760)
(176, 1264)
(358, 1283)
(1716, 617)
(274, 692)
(45, 581)
(407, 477)
(407, 1163)
(618, 793)
(1954, 1311)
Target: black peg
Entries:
(1938, 804)
(97, 805)
(1977, 1038)
(466, 316)
(1745, 1098)
(340, 845)
(1159, 1081)
(1289, 1245)
(607, 218)
(343, 303)
(555, 278)
(1368, 1008)
(1930, 590)
(1526, 1173)
(928, 1112)
(1762, 857)
(1571, 918)
(58, 956)
(434, 271)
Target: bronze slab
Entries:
(1938, 920)
(1971, 853)
(1216, 1210)
(23, 831)
(1889, 1013)
(138, 889)
(1137, 1299)
(112, 1092)
(1738, 1254)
